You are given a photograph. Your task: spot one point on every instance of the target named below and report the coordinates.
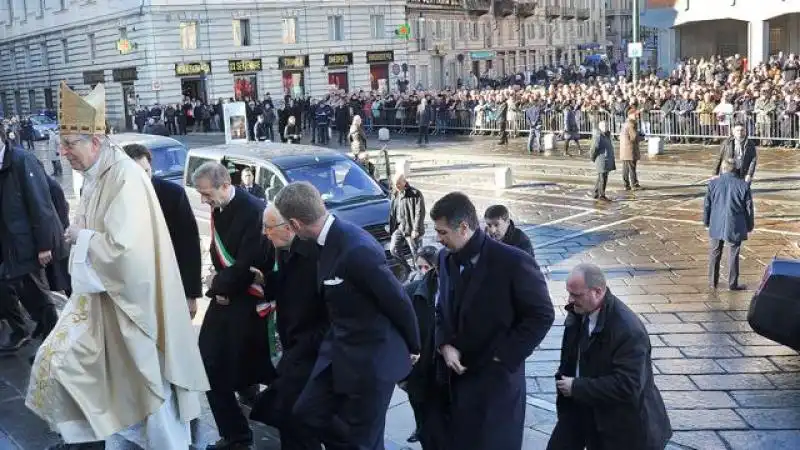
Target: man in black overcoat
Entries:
(740, 149)
(181, 224)
(302, 322)
(500, 226)
(234, 340)
(607, 398)
(373, 338)
(31, 237)
(493, 309)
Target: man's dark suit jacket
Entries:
(255, 190)
(749, 157)
(373, 326)
(728, 211)
(183, 231)
(615, 386)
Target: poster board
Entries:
(236, 129)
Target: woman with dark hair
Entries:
(422, 379)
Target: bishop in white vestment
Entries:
(122, 364)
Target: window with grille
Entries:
(241, 32)
(377, 27)
(289, 30)
(335, 28)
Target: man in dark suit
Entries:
(500, 227)
(234, 340)
(493, 309)
(181, 224)
(728, 214)
(373, 338)
(301, 325)
(249, 185)
(742, 151)
(607, 398)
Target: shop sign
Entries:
(93, 77)
(380, 57)
(338, 59)
(482, 55)
(292, 62)
(244, 65)
(192, 68)
(125, 74)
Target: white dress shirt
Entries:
(323, 234)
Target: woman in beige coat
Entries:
(629, 152)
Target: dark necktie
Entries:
(583, 341)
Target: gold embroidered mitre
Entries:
(81, 115)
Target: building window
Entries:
(541, 31)
(462, 30)
(241, 32)
(63, 4)
(188, 35)
(376, 26)
(335, 28)
(24, 10)
(10, 8)
(65, 50)
(41, 7)
(475, 31)
(44, 57)
(92, 49)
(31, 100)
(26, 53)
(289, 27)
(775, 40)
(123, 32)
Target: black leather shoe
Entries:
(231, 444)
(414, 437)
(738, 287)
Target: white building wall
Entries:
(153, 26)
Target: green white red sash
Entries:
(226, 260)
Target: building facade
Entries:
(452, 39)
(160, 51)
(754, 29)
(619, 27)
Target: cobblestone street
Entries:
(725, 387)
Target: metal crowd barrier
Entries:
(767, 127)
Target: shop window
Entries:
(376, 26)
(188, 35)
(335, 28)
(241, 32)
(289, 27)
(244, 87)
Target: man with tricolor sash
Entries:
(234, 338)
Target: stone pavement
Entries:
(725, 387)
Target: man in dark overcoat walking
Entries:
(729, 215)
(31, 237)
(234, 341)
(493, 309)
(607, 398)
(181, 224)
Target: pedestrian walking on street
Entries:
(31, 237)
(606, 394)
(500, 227)
(501, 115)
(729, 216)
(373, 339)
(629, 153)
(603, 157)
(742, 150)
(406, 220)
(571, 130)
(424, 119)
(493, 310)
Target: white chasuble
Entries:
(122, 361)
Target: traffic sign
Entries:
(635, 50)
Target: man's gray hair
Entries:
(728, 165)
(593, 276)
(300, 201)
(214, 172)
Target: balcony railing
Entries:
(454, 3)
(567, 12)
(526, 9)
(582, 13)
(478, 7)
(551, 12)
(618, 12)
(504, 8)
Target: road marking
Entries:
(697, 222)
(563, 219)
(583, 232)
(509, 200)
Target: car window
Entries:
(270, 181)
(41, 120)
(194, 163)
(168, 161)
(339, 182)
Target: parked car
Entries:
(348, 190)
(42, 127)
(169, 155)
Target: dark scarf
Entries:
(459, 279)
(473, 246)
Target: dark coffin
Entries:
(775, 308)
